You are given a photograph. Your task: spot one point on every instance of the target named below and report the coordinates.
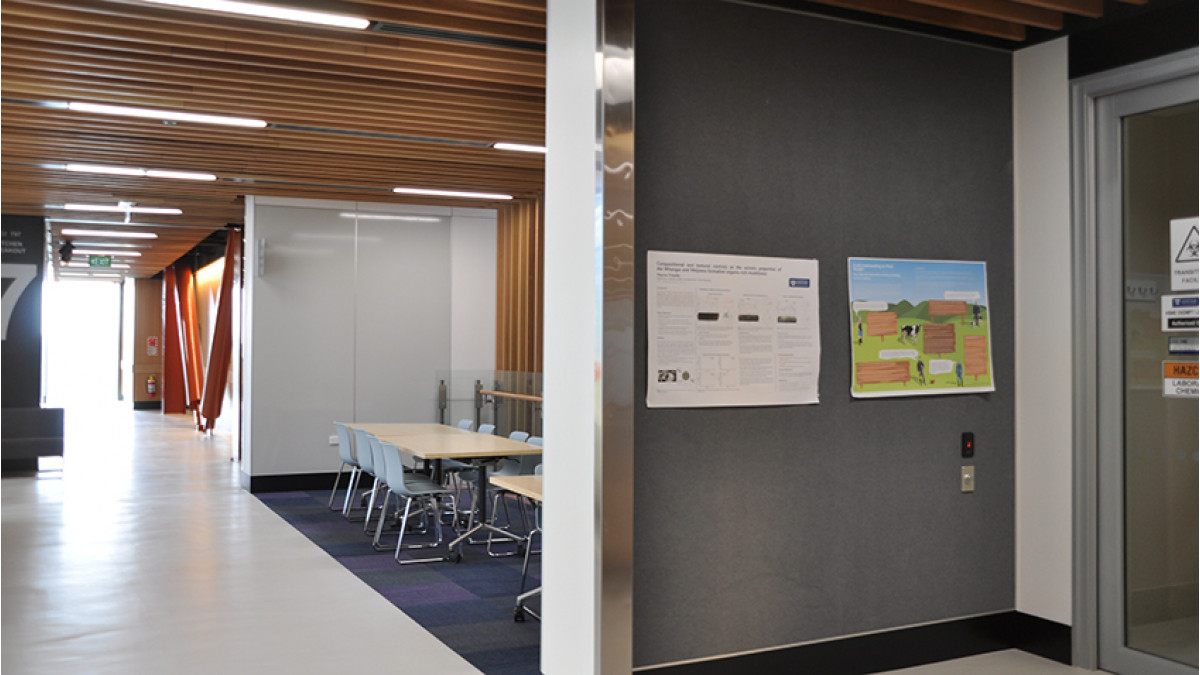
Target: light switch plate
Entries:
(968, 479)
(333, 439)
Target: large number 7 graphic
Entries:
(21, 276)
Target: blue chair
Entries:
(487, 428)
(412, 487)
(466, 424)
(346, 451)
(513, 466)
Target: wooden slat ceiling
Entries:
(351, 114)
(417, 100)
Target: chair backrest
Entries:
(345, 445)
(534, 440)
(487, 428)
(528, 464)
(362, 441)
(537, 470)
(519, 436)
(396, 477)
(378, 461)
(466, 424)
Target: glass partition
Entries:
(511, 400)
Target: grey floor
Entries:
(143, 555)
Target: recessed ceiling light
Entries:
(179, 175)
(271, 12)
(141, 173)
(112, 170)
(389, 216)
(117, 254)
(172, 115)
(116, 265)
(520, 147)
(108, 208)
(108, 233)
(111, 244)
(90, 275)
(449, 193)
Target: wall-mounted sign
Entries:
(100, 260)
(1183, 344)
(1185, 255)
(1180, 312)
(728, 330)
(152, 345)
(1180, 379)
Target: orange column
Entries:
(174, 384)
(189, 337)
(222, 339)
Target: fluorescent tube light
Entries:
(388, 216)
(179, 175)
(141, 173)
(520, 147)
(449, 193)
(108, 233)
(270, 12)
(115, 254)
(113, 170)
(164, 114)
(115, 266)
(107, 208)
(90, 275)
(111, 244)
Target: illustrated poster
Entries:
(728, 330)
(919, 327)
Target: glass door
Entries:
(1147, 440)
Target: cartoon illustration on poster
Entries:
(919, 327)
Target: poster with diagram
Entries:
(725, 330)
(919, 327)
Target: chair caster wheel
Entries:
(518, 615)
(455, 557)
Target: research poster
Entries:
(728, 330)
(919, 327)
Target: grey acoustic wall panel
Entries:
(761, 132)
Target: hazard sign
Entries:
(1180, 379)
(1185, 255)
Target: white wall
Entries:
(569, 560)
(1042, 271)
(351, 319)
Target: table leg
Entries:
(481, 490)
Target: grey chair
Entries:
(346, 451)
(412, 487)
(513, 466)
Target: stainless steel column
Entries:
(614, 475)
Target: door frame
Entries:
(1094, 194)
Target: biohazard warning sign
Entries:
(1185, 255)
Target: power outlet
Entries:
(333, 439)
(968, 479)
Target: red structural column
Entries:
(189, 336)
(174, 380)
(222, 339)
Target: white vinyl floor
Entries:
(143, 555)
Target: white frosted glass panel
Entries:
(403, 322)
(473, 289)
(302, 337)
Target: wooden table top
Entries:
(465, 445)
(526, 486)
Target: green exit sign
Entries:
(100, 260)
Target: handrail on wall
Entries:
(509, 394)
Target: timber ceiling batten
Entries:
(416, 100)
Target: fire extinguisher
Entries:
(151, 386)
